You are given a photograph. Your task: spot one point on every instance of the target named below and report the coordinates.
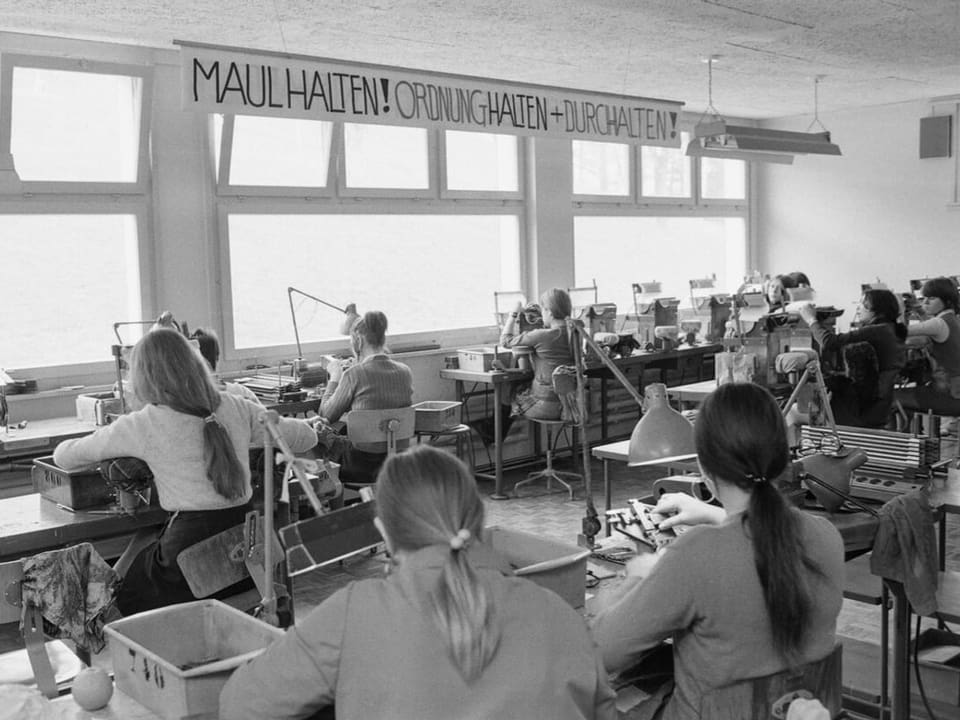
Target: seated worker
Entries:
(194, 437)
(210, 349)
(940, 331)
(448, 633)
(777, 289)
(869, 404)
(372, 382)
(754, 588)
(551, 347)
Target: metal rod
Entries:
(610, 365)
(591, 523)
(269, 601)
(293, 314)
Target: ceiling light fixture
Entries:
(715, 137)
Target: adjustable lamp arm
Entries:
(580, 332)
(590, 524)
(351, 308)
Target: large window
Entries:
(70, 235)
(620, 251)
(429, 273)
(422, 224)
(67, 278)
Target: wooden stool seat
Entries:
(461, 434)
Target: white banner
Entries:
(235, 81)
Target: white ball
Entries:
(92, 688)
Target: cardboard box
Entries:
(436, 415)
(76, 490)
(480, 359)
(557, 566)
(176, 660)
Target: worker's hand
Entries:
(335, 369)
(642, 564)
(683, 509)
(808, 311)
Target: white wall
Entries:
(877, 211)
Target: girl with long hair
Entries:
(863, 396)
(939, 332)
(755, 589)
(448, 633)
(195, 439)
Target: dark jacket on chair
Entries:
(905, 549)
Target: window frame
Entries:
(447, 194)
(70, 372)
(379, 206)
(10, 61)
(433, 173)
(225, 189)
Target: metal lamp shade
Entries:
(663, 434)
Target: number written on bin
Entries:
(149, 670)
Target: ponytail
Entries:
(463, 609)
(166, 370)
(428, 497)
(774, 529)
(741, 440)
(223, 466)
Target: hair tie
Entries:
(460, 540)
(756, 478)
(211, 418)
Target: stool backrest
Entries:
(377, 426)
(768, 697)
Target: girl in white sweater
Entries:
(194, 438)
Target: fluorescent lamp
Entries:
(720, 139)
(695, 149)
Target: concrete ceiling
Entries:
(871, 52)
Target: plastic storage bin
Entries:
(436, 415)
(176, 660)
(556, 566)
(480, 359)
(76, 490)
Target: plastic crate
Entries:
(556, 566)
(176, 660)
(77, 489)
(480, 359)
(436, 415)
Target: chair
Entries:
(371, 429)
(769, 696)
(564, 384)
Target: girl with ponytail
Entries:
(755, 588)
(448, 633)
(195, 439)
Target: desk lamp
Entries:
(827, 473)
(661, 435)
(350, 317)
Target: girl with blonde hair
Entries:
(448, 633)
(195, 438)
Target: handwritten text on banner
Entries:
(229, 81)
